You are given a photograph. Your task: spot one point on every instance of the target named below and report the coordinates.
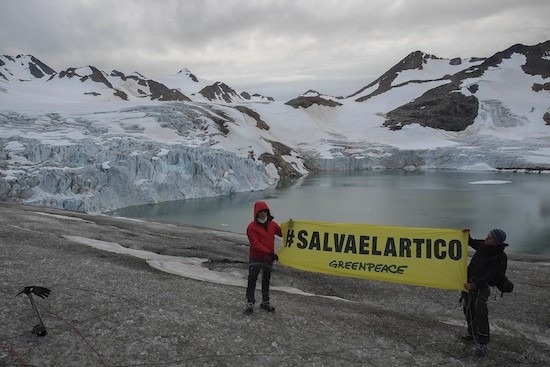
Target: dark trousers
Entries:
(477, 314)
(254, 269)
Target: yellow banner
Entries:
(428, 257)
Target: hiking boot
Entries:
(267, 307)
(249, 308)
(480, 349)
(467, 338)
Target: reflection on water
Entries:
(521, 207)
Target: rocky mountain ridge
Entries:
(445, 106)
(454, 106)
(115, 85)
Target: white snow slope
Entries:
(70, 143)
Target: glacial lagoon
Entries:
(518, 203)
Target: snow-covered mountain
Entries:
(207, 91)
(184, 137)
(26, 75)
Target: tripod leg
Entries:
(39, 329)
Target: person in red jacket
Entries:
(261, 235)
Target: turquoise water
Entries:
(518, 203)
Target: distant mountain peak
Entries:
(184, 71)
(311, 93)
(189, 74)
(136, 73)
(220, 91)
(414, 60)
(26, 64)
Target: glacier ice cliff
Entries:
(80, 172)
(123, 173)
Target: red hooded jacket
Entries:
(262, 236)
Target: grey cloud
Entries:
(257, 41)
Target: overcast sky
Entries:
(276, 48)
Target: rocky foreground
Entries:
(108, 309)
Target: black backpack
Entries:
(505, 285)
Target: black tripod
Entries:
(41, 292)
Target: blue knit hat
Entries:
(498, 235)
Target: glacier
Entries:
(76, 168)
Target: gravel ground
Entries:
(109, 309)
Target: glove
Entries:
(39, 291)
(273, 256)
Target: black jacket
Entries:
(488, 265)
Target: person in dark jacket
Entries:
(487, 268)
(261, 235)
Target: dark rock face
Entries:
(120, 94)
(546, 118)
(306, 102)
(69, 73)
(455, 61)
(35, 71)
(538, 87)
(221, 119)
(98, 77)
(440, 108)
(163, 93)
(245, 96)
(415, 60)
(45, 68)
(260, 124)
(535, 63)
(476, 59)
(259, 95)
(36, 67)
(285, 169)
(446, 108)
(190, 75)
(118, 74)
(219, 90)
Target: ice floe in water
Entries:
(489, 182)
